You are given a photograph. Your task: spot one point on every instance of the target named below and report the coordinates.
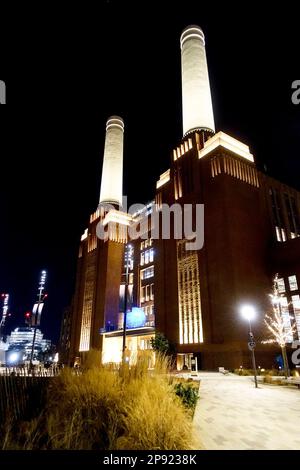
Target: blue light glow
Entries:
(136, 318)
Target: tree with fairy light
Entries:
(281, 331)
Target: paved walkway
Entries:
(232, 415)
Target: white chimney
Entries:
(197, 111)
(112, 170)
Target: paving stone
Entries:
(232, 414)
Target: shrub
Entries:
(243, 372)
(268, 379)
(188, 394)
(106, 408)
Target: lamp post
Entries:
(37, 312)
(128, 254)
(248, 313)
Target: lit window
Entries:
(147, 292)
(278, 234)
(293, 283)
(296, 308)
(143, 294)
(283, 234)
(280, 285)
(296, 302)
(151, 291)
(142, 259)
(148, 272)
(286, 318)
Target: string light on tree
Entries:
(282, 332)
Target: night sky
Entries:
(67, 71)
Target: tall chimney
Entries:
(197, 111)
(112, 170)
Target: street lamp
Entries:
(37, 310)
(248, 312)
(128, 256)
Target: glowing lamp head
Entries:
(13, 357)
(248, 312)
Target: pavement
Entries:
(232, 414)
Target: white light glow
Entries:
(117, 217)
(13, 357)
(112, 170)
(85, 235)
(248, 312)
(197, 111)
(112, 350)
(229, 143)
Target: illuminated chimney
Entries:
(112, 170)
(197, 111)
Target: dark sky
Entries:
(67, 71)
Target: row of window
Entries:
(285, 215)
(147, 273)
(287, 284)
(147, 293)
(149, 310)
(287, 307)
(290, 304)
(147, 257)
(146, 243)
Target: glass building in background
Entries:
(20, 345)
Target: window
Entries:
(278, 238)
(295, 213)
(148, 242)
(286, 318)
(142, 259)
(280, 285)
(147, 292)
(147, 273)
(293, 283)
(296, 308)
(289, 212)
(151, 291)
(148, 256)
(142, 245)
(143, 294)
(277, 215)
